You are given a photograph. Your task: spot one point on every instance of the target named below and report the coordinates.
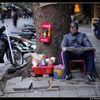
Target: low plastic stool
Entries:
(79, 61)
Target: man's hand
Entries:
(68, 49)
(64, 48)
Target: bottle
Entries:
(49, 33)
(43, 63)
(44, 34)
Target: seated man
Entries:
(75, 39)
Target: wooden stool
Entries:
(79, 61)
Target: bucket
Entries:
(58, 73)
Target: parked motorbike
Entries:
(28, 32)
(7, 46)
(27, 35)
(95, 32)
(28, 25)
(95, 27)
(23, 44)
(29, 28)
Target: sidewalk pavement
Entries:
(49, 87)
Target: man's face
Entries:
(73, 29)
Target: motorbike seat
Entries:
(28, 25)
(22, 33)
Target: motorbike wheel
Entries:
(18, 57)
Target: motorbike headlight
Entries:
(33, 46)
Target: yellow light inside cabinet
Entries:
(77, 8)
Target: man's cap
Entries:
(73, 24)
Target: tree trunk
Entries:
(59, 16)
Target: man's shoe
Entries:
(90, 77)
(68, 76)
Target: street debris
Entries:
(53, 88)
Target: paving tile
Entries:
(14, 81)
(98, 59)
(27, 79)
(1, 93)
(68, 93)
(40, 84)
(5, 95)
(23, 85)
(8, 89)
(50, 94)
(33, 94)
(97, 64)
(97, 89)
(16, 95)
(57, 83)
(68, 87)
(86, 91)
